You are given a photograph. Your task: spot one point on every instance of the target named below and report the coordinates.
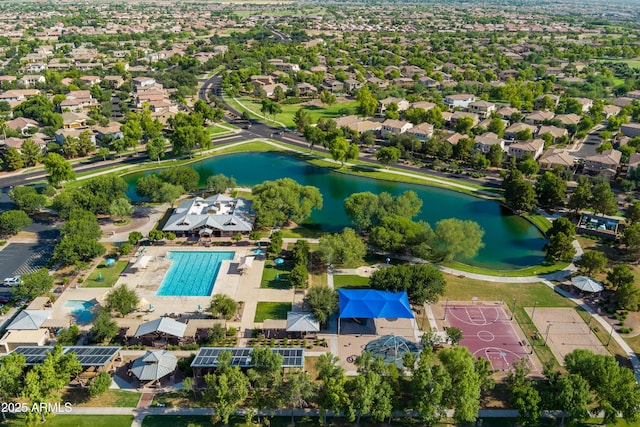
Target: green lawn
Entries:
(276, 277)
(110, 398)
(526, 294)
(302, 232)
(523, 272)
(64, 420)
(109, 275)
(203, 421)
(350, 281)
(253, 106)
(272, 310)
(632, 63)
(215, 130)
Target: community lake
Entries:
(511, 242)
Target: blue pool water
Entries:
(81, 310)
(192, 274)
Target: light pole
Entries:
(610, 333)
(446, 304)
(514, 308)
(534, 310)
(546, 337)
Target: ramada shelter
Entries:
(373, 304)
(219, 216)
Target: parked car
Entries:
(12, 281)
(3, 299)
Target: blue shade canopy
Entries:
(372, 304)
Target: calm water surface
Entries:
(510, 241)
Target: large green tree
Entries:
(33, 285)
(58, 169)
(603, 200)
(456, 239)
(592, 262)
(284, 200)
(423, 282)
(518, 193)
(466, 382)
(226, 389)
(104, 328)
(27, 198)
(551, 190)
(346, 248)
(13, 221)
(615, 386)
(322, 302)
(122, 300)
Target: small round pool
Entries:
(82, 310)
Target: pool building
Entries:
(219, 216)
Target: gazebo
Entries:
(163, 328)
(373, 304)
(587, 284)
(154, 365)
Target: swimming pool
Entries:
(192, 273)
(82, 310)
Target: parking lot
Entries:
(22, 258)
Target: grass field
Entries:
(272, 310)
(110, 398)
(216, 130)
(109, 275)
(526, 294)
(350, 281)
(202, 421)
(253, 106)
(632, 63)
(78, 420)
(276, 277)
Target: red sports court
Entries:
(488, 332)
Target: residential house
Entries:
(634, 162)
(457, 115)
(22, 125)
(403, 82)
(217, 215)
(586, 104)
(284, 66)
(258, 80)
(630, 129)
(352, 84)
(454, 137)
(77, 101)
(428, 82)
(422, 131)
(36, 67)
(358, 124)
(306, 90)
(383, 105)
(555, 131)
(484, 142)
(71, 120)
(506, 112)
(270, 89)
(511, 131)
(538, 117)
(112, 130)
(610, 110)
(553, 158)
(541, 99)
(569, 119)
(114, 81)
(482, 108)
(459, 100)
(532, 147)
(31, 80)
(605, 163)
(90, 80)
(140, 83)
(394, 127)
(62, 134)
(634, 94)
(425, 105)
(333, 85)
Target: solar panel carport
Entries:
(207, 357)
(89, 356)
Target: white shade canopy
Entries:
(587, 284)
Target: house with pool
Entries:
(218, 215)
